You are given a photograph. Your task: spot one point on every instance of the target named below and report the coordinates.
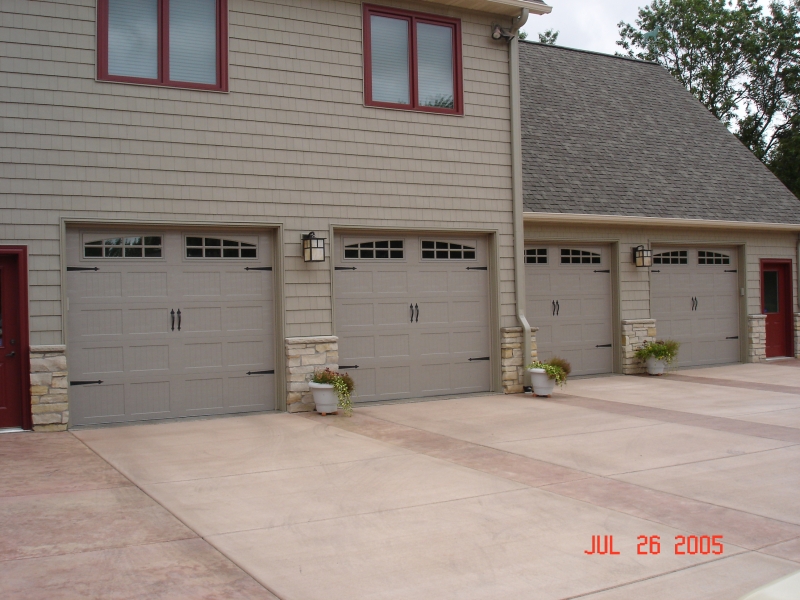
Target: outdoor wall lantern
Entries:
(642, 257)
(313, 248)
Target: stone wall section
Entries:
(513, 366)
(305, 356)
(49, 388)
(756, 338)
(797, 335)
(635, 333)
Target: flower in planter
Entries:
(556, 368)
(342, 383)
(666, 350)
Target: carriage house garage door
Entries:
(569, 299)
(165, 324)
(412, 315)
(694, 300)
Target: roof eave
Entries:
(503, 7)
(589, 219)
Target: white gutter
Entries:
(516, 188)
(537, 8)
(585, 219)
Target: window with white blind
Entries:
(181, 43)
(412, 60)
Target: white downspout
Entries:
(516, 188)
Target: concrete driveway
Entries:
(482, 497)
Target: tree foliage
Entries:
(548, 37)
(741, 62)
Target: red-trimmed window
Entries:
(412, 61)
(180, 43)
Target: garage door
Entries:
(694, 300)
(569, 299)
(169, 324)
(412, 315)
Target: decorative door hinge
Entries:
(348, 366)
(83, 268)
(85, 382)
(258, 268)
(481, 358)
(270, 372)
(731, 270)
(477, 268)
(733, 337)
(603, 346)
(603, 271)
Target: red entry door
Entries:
(776, 303)
(10, 345)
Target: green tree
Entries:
(549, 37)
(742, 64)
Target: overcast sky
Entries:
(587, 24)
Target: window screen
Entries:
(435, 65)
(133, 38)
(193, 41)
(390, 68)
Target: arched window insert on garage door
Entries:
(433, 250)
(208, 247)
(573, 256)
(673, 257)
(375, 249)
(712, 258)
(135, 246)
(536, 256)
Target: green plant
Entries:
(342, 383)
(556, 368)
(665, 350)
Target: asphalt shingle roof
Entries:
(612, 136)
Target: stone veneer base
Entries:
(305, 356)
(49, 388)
(635, 333)
(756, 338)
(797, 335)
(511, 350)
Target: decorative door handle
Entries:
(179, 319)
(558, 308)
(554, 308)
(172, 318)
(416, 308)
(411, 308)
(11, 354)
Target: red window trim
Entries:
(413, 18)
(163, 50)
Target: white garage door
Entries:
(169, 324)
(412, 315)
(568, 291)
(694, 300)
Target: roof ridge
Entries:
(594, 52)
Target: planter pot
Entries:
(656, 366)
(325, 397)
(541, 383)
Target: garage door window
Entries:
(206, 247)
(712, 258)
(137, 246)
(536, 256)
(572, 256)
(674, 257)
(375, 250)
(432, 250)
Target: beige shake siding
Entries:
(291, 144)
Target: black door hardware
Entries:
(258, 268)
(172, 318)
(603, 271)
(416, 309)
(270, 372)
(85, 382)
(695, 302)
(477, 268)
(603, 346)
(481, 358)
(733, 337)
(179, 319)
(554, 308)
(655, 271)
(558, 307)
(82, 268)
(411, 308)
(11, 355)
(731, 271)
(344, 268)
(348, 366)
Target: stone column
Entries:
(757, 338)
(635, 333)
(305, 356)
(797, 335)
(512, 360)
(49, 385)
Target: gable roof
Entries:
(607, 135)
